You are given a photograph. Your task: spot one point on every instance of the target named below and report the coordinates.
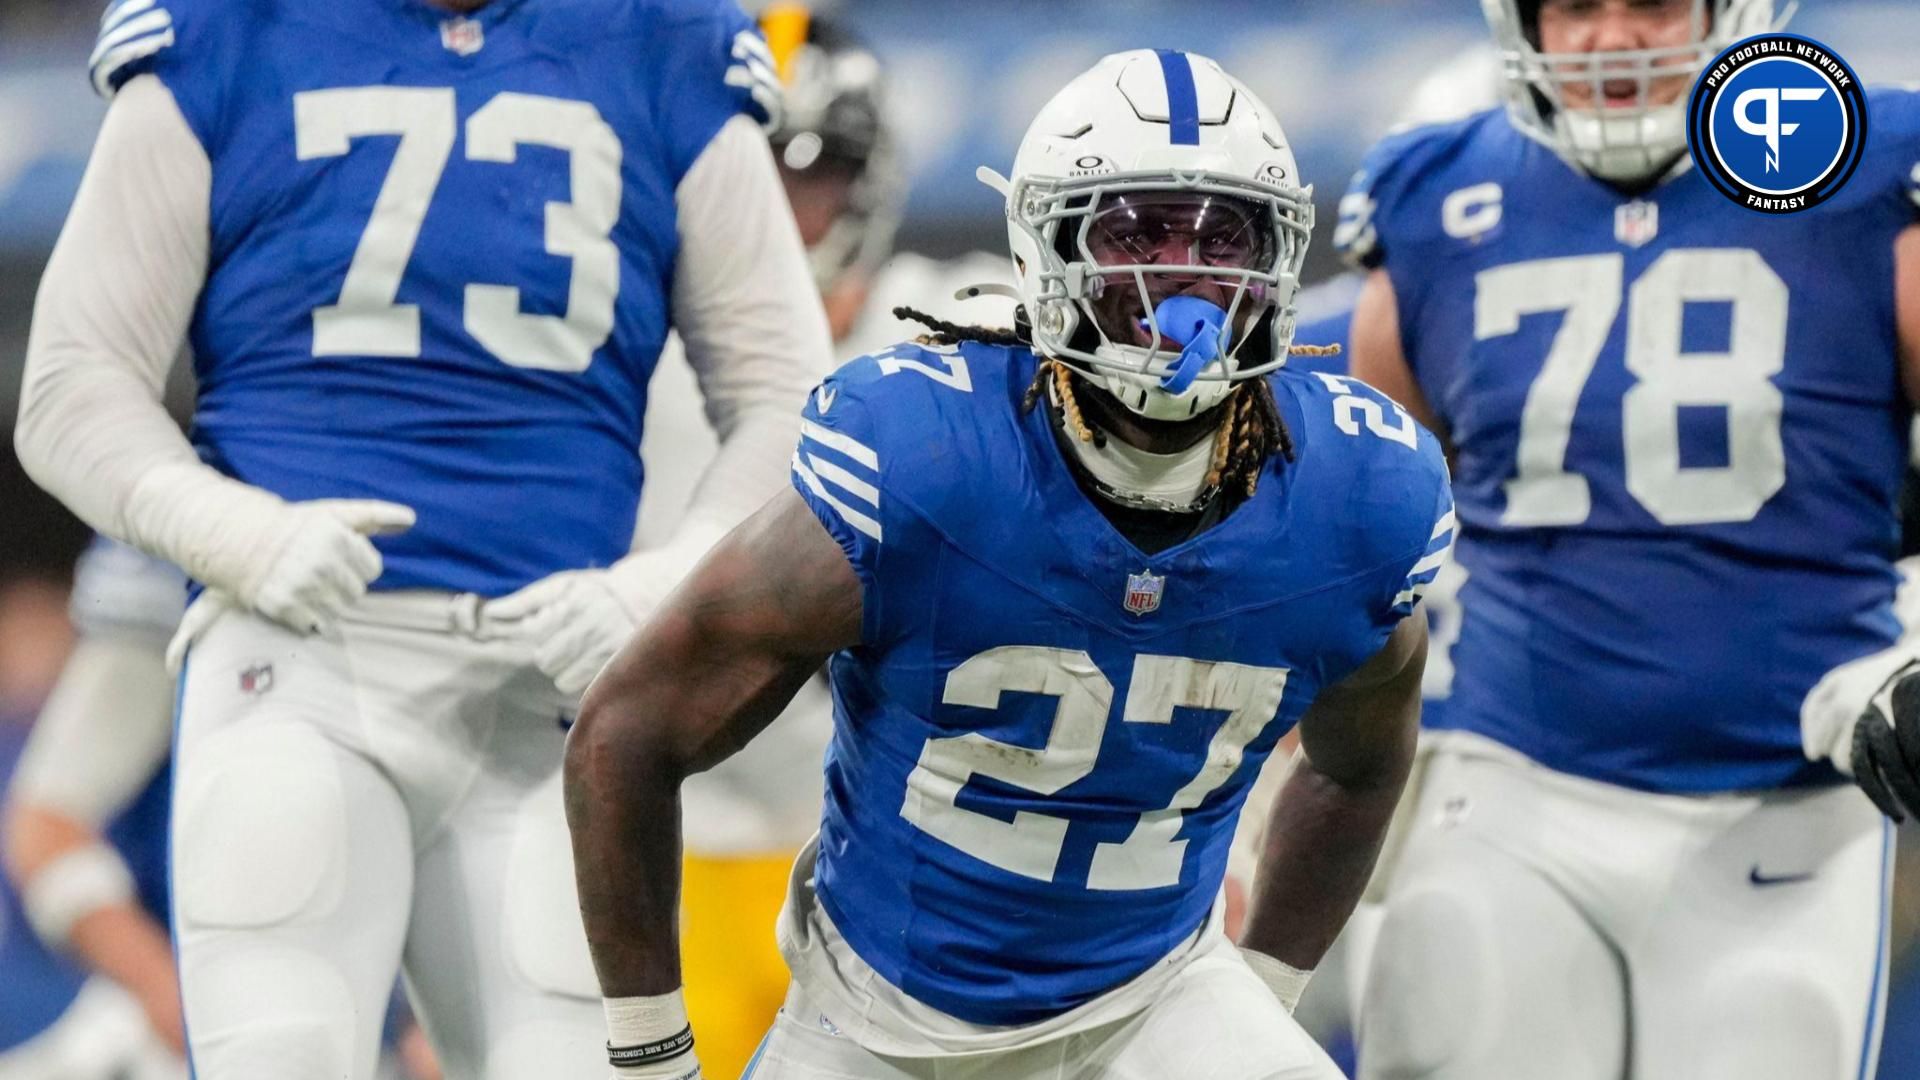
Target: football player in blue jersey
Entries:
(1677, 431)
(1074, 582)
(425, 255)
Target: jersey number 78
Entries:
(1589, 289)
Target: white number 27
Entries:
(1030, 845)
(365, 320)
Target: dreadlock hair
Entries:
(1253, 432)
(942, 332)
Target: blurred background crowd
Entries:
(966, 78)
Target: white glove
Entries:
(577, 620)
(324, 561)
(313, 562)
(1832, 710)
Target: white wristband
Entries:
(72, 887)
(648, 1038)
(1286, 981)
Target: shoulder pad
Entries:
(907, 414)
(1371, 455)
(1375, 200)
(1895, 126)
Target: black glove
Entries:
(1886, 749)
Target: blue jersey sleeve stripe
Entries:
(1429, 565)
(1183, 101)
(117, 13)
(754, 71)
(749, 48)
(834, 440)
(848, 514)
(153, 22)
(1423, 572)
(113, 62)
(842, 479)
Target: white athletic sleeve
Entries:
(103, 734)
(747, 309)
(113, 310)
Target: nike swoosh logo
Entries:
(1761, 881)
(823, 398)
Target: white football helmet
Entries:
(1155, 175)
(1627, 143)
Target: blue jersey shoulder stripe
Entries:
(1183, 100)
(130, 30)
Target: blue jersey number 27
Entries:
(365, 321)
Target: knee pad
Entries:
(1428, 996)
(545, 940)
(1770, 1023)
(260, 828)
(551, 1047)
(270, 1012)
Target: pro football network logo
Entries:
(1778, 123)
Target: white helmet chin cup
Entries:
(1143, 124)
(1626, 149)
(1144, 395)
(1626, 143)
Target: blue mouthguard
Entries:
(1200, 327)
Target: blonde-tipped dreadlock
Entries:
(1252, 433)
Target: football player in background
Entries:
(84, 827)
(744, 821)
(1073, 593)
(426, 255)
(1466, 84)
(1677, 431)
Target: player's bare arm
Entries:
(1327, 824)
(1379, 359)
(723, 657)
(1906, 292)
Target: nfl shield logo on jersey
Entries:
(1637, 223)
(1143, 592)
(463, 36)
(257, 679)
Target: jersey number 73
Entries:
(366, 321)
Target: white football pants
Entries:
(344, 806)
(1554, 928)
(1216, 1021)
